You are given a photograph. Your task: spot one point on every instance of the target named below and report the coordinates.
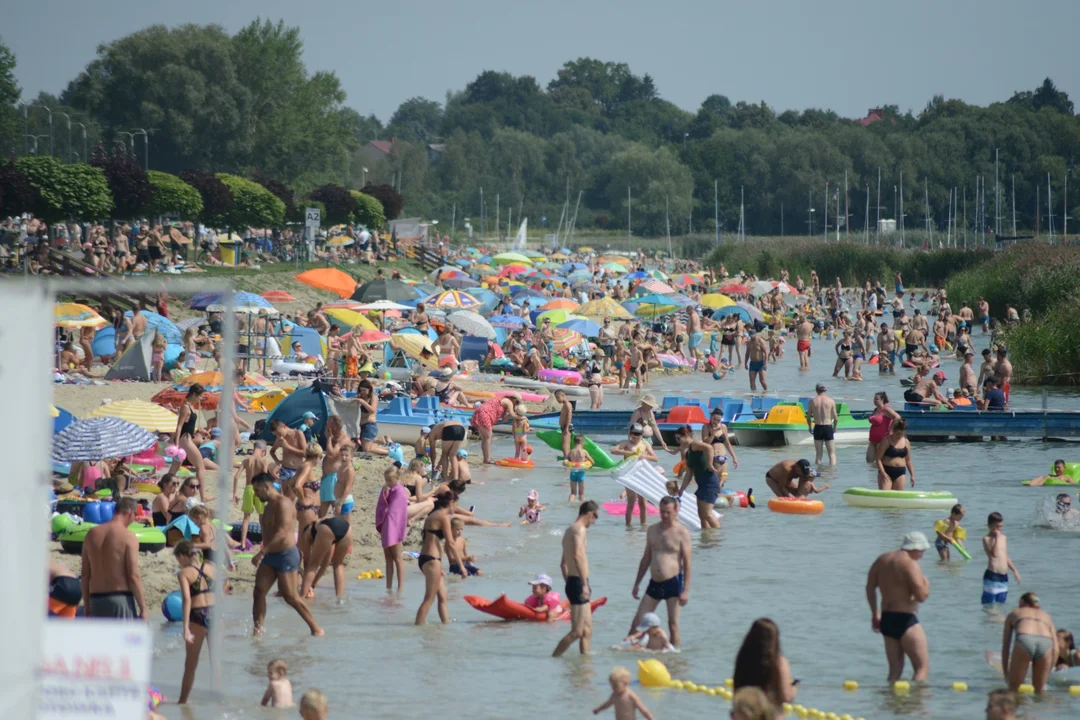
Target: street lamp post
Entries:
(146, 146)
(68, 118)
(363, 177)
(85, 157)
(26, 142)
(131, 136)
(37, 138)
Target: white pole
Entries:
(667, 222)
(716, 210)
(838, 216)
(1014, 204)
(879, 204)
(902, 242)
(866, 218)
(629, 243)
(847, 211)
(997, 212)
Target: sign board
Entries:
(92, 669)
(313, 218)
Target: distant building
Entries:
(377, 151)
(872, 116)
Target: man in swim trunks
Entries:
(803, 332)
(926, 392)
(966, 318)
(279, 559)
(111, 583)
(667, 558)
(822, 421)
(757, 353)
(694, 329)
(914, 340)
(575, 571)
(1003, 371)
(967, 374)
(287, 451)
(886, 342)
(784, 477)
(903, 588)
(984, 315)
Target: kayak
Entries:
(600, 458)
(902, 499)
(507, 609)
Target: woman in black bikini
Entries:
(322, 545)
(307, 487)
(451, 434)
(715, 433)
(894, 459)
(436, 530)
(161, 508)
(843, 355)
(184, 435)
(197, 591)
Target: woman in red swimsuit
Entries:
(881, 421)
(490, 413)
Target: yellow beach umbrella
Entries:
(585, 250)
(411, 344)
(716, 300)
(603, 308)
(621, 259)
(511, 258)
(560, 256)
(558, 317)
(147, 415)
(75, 315)
(349, 318)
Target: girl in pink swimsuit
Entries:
(487, 415)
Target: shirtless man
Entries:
(903, 588)
(803, 332)
(694, 330)
(986, 370)
(785, 476)
(638, 369)
(575, 571)
(287, 451)
(926, 392)
(984, 315)
(111, 584)
(914, 340)
(667, 558)
(886, 342)
(966, 316)
(1003, 371)
(920, 323)
(967, 374)
(257, 463)
(279, 558)
(757, 353)
(822, 421)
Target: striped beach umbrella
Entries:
(100, 438)
(147, 415)
(564, 338)
(452, 299)
(604, 307)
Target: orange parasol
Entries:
(329, 279)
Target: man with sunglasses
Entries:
(1063, 507)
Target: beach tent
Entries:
(62, 419)
(291, 410)
(104, 343)
(135, 363)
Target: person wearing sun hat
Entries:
(645, 416)
(448, 392)
(903, 587)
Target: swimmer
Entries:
(648, 635)
(313, 706)
(667, 559)
(998, 564)
(577, 474)
(543, 599)
(279, 689)
(1036, 644)
(821, 420)
(1058, 474)
(437, 528)
(457, 526)
(784, 477)
(1068, 656)
(948, 530)
(531, 509)
(1063, 507)
(627, 705)
(903, 588)
(895, 463)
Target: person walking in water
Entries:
(903, 587)
(667, 559)
(757, 354)
(575, 571)
(822, 421)
(1036, 644)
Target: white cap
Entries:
(915, 540)
(648, 621)
(541, 579)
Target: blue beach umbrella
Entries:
(586, 327)
(507, 321)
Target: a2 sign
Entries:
(313, 218)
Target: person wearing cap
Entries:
(821, 420)
(449, 392)
(785, 477)
(309, 419)
(926, 392)
(667, 560)
(648, 634)
(903, 587)
(543, 599)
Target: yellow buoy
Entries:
(689, 686)
(1026, 689)
(676, 685)
(653, 673)
(901, 686)
(831, 716)
(1074, 689)
(845, 716)
(959, 686)
(729, 683)
(851, 685)
(710, 692)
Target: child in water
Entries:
(521, 433)
(458, 542)
(649, 635)
(313, 706)
(279, 690)
(948, 530)
(672, 487)
(627, 705)
(531, 509)
(543, 599)
(577, 474)
(998, 564)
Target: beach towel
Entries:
(392, 515)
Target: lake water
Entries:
(806, 573)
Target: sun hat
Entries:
(915, 540)
(939, 375)
(541, 579)
(533, 495)
(650, 400)
(446, 372)
(648, 621)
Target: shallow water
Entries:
(807, 573)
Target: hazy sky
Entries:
(838, 54)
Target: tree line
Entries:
(598, 139)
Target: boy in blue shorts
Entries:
(577, 474)
(996, 577)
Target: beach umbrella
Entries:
(343, 317)
(653, 299)
(658, 274)
(380, 306)
(585, 250)
(604, 307)
(329, 279)
(580, 276)
(439, 272)
(473, 251)
(557, 317)
(637, 275)
(212, 382)
(514, 270)
(147, 415)
(753, 312)
(651, 310)
(372, 337)
(734, 289)
(311, 343)
(340, 241)
(684, 279)
(533, 254)
(761, 287)
(560, 304)
(586, 327)
(74, 315)
(521, 293)
(244, 302)
(716, 300)
(422, 290)
(100, 438)
(572, 266)
(731, 310)
(452, 299)
(657, 287)
(510, 322)
(161, 324)
(681, 300)
(411, 344)
(510, 258)
(278, 296)
(560, 256)
(613, 267)
(200, 300)
(471, 323)
(460, 283)
(383, 289)
(621, 259)
(563, 339)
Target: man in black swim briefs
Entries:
(667, 558)
(575, 571)
(903, 588)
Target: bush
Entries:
(1044, 352)
(339, 203)
(173, 196)
(130, 188)
(392, 201)
(369, 211)
(17, 195)
(65, 192)
(253, 205)
(1029, 275)
(282, 192)
(217, 198)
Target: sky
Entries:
(792, 54)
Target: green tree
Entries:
(253, 205)
(660, 186)
(66, 192)
(131, 190)
(416, 120)
(217, 198)
(339, 204)
(17, 195)
(10, 127)
(173, 196)
(369, 211)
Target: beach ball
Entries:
(716, 376)
(172, 607)
(175, 452)
(653, 673)
(386, 375)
